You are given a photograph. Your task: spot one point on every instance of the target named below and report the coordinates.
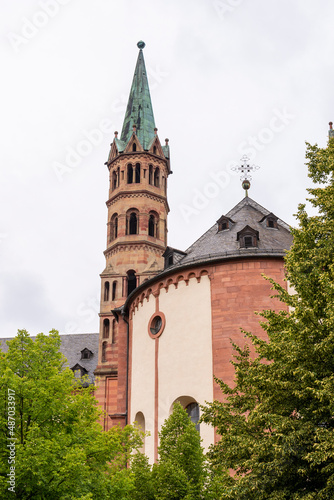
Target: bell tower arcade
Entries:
(136, 233)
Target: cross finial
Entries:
(245, 168)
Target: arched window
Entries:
(140, 419)
(131, 281)
(137, 173)
(153, 225)
(106, 291)
(154, 150)
(157, 177)
(133, 223)
(130, 174)
(193, 412)
(114, 289)
(104, 352)
(113, 227)
(113, 331)
(114, 180)
(106, 327)
(118, 176)
(150, 174)
(134, 147)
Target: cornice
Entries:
(105, 370)
(138, 194)
(134, 246)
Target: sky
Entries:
(227, 78)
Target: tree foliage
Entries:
(61, 451)
(277, 422)
(180, 472)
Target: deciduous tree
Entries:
(61, 451)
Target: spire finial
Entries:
(141, 44)
(245, 168)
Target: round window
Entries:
(156, 325)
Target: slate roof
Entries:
(216, 244)
(73, 344)
(71, 347)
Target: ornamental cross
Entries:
(245, 168)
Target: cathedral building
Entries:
(167, 316)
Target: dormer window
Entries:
(79, 371)
(224, 223)
(86, 353)
(172, 256)
(248, 237)
(270, 221)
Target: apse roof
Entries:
(215, 244)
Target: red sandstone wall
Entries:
(237, 290)
(111, 384)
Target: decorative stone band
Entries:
(104, 371)
(134, 247)
(136, 194)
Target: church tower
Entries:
(136, 231)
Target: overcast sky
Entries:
(227, 77)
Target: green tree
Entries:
(61, 451)
(277, 423)
(142, 478)
(180, 472)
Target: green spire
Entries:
(139, 111)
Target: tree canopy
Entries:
(277, 422)
(61, 451)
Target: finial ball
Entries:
(246, 184)
(141, 44)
